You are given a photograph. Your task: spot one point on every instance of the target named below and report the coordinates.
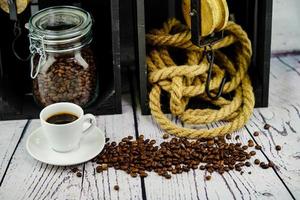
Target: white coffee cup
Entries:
(66, 137)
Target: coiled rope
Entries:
(187, 81)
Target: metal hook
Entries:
(210, 57)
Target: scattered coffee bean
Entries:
(78, 174)
(267, 126)
(106, 140)
(130, 137)
(256, 133)
(178, 155)
(165, 136)
(252, 153)
(256, 161)
(271, 164)
(208, 178)
(264, 165)
(99, 169)
(249, 172)
(228, 136)
(74, 169)
(116, 187)
(242, 172)
(237, 137)
(258, 147)
(104, 166)
(278, 148)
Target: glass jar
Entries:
(62, 63)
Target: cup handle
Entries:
(92, 120)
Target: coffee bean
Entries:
(258, 147)
(106, 139)
(264, 165)
(66, 80)
(132, 174)
(252, 153)
(256, 161)
(104, 166)
(237, 137)
(278, 148)
(208, 178)
(228, 136)
(74, 169)
(245, 147)
(202, 167)
(248, 164)
(116, 187)
(271, 164)
(256, 133)
(78, 174)
(99, 169)
(267, 126)
(165, 136)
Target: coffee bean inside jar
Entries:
(67, 79)
(62, 64)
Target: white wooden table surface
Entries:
(22, 177)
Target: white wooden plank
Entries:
(101, 185)
(27, 178)
(285, 122)
(285, 26)
(261, 184)
(10, 133)
(284, 81)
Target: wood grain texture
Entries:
(27, 178)
(260, 184)
(10, 133)
(101, 185)
(285, 131)
(284, 80)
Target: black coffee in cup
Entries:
(61, 118)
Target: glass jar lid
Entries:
(59, 29)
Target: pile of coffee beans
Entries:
(178, 155)
(67, 80)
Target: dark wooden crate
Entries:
(16, 101)
(253, 15)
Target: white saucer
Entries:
(90, 146)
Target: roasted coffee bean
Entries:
(66, 79)
(256, 161)
(244, 147)
(249, 172)
(267, 126)
(106, 139)
(258, 147)
(252, 153)
(237, 137)
(176, 156)
(130, 137)
(248, 164)
(165, 136)
(74, 169)
(78, 174)
(264, 165)
(99, 169)
(271, 164)
(116, 187)
(104, 166)
(278, 148)
(256, 133)
(208, 178)
(228, 136)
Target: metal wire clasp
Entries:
(37, 46)
(210, 58)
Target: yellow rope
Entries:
(188, 80)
